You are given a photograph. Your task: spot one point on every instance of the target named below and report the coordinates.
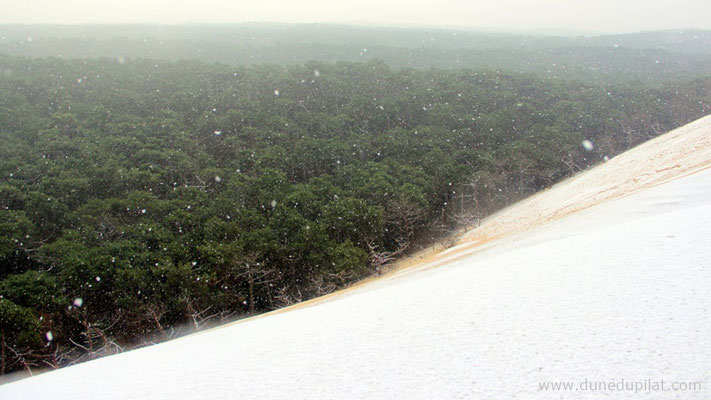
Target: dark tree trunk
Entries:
(2, 357)
(250, 277)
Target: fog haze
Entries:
(604, 16)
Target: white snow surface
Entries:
(619, 289)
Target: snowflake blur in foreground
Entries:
(588, 145)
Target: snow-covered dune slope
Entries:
(604, 277)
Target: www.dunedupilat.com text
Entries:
(621, 385)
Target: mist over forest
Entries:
(158, 180)
(650, 57)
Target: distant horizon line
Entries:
(502, 31)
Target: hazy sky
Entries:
(572, 15)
